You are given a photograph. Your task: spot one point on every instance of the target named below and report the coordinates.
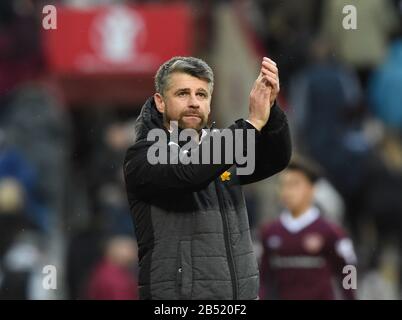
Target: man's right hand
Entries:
(260, 104)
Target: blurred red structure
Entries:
(109, 54)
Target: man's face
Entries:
(296, 190)
(187, 100)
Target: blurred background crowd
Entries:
(69, 98)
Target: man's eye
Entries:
(182, 94)
(202, 94)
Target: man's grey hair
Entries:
(190, 65)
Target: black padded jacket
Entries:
(191, 221)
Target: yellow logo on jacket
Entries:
(225, 176)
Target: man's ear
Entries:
(160, 104)
(209, 107)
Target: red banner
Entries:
(117, 39)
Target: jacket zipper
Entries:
(232, 267)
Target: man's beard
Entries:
(197, 125)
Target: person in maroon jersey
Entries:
(112, 278)
(303, 254)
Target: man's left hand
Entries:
(270, 70)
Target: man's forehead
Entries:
(178, 80)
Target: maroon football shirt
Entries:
(303, 258)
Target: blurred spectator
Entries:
(22, 268)
(29, 110)
(385, 89)
(35, 122)
(100, 140)
(325, 99)
(12, 219)
(20, 219)
(20, 179)
(107, 157)
(112, 278)
(302, 251)
(365, 47)
(20, 49)
(286, 27)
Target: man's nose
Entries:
(193, 102)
